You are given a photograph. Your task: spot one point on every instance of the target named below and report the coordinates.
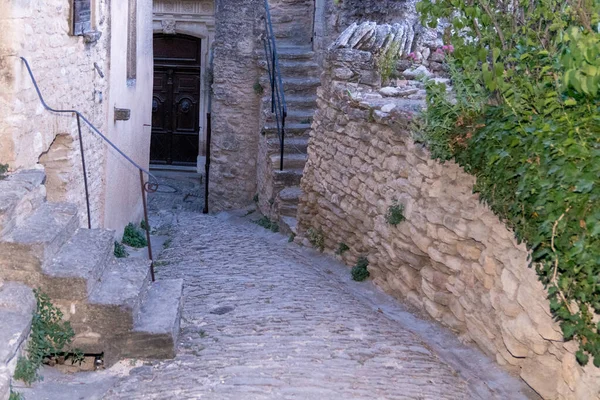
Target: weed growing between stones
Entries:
(360, 271)
(255, 198)
(342, 248)
(395, 214)
(49, 338)
(259, 90)
(133, 237)
(316, 237)
(120, 251)
(15, 396)
(266, 223)
(144, 225)
(3, 171)
(292, 237)
(387, 62)
(167, 243)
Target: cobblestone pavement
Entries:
(267, 319)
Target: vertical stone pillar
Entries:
(235, 127)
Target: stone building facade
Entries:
(95, 72)
(451, 257)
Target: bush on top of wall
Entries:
(525, 120)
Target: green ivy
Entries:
(133, 237)
(49, 338)
(525, 120)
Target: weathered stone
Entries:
(542, 374)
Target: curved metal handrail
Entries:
(147, 187)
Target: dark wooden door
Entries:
(176, 100)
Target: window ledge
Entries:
(91, 36)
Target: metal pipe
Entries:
(85, 182)
(147, 224)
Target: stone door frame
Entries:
(193, 18)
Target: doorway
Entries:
(175, 137)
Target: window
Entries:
(132, 41)
(82, 17)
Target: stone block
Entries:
(542, 374)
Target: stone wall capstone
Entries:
(452, 258)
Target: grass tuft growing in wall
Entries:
(360, 271)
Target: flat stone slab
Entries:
(17, 304)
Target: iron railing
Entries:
(146, 186)
(278, 104)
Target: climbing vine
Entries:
(524, 118)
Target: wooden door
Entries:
(176, 101)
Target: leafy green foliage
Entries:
(292, 237)
(133, 237)
(342, 248)
(316, 237)
(395, 214)
(144, 225)
(3, 171)
(525, 121)
(360, 271)
(49, 338)
(266, 223)
(259, 90)
(120, 251)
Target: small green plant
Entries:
(255, 198)
(120, 251)
(395, 214)
(3, 171)
(316, 237)
(167, 243)
(266, 223)
(133, 237)
(258, 88)
(144, 225)
(342, 248)
(360, 271)
(15, 396)
(387, 62)
(49, 338)
(292, 237)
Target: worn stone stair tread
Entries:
(17, 304)
(123, 283)
(84, 258)
(295, 129)
(161, 310)
(156, 327)
(290, 161)
(289, 224)
(20, 193)
(290, 194)
(45, 225)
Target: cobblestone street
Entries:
(267, 319)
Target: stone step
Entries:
(20, 194)
(24, 249)
(301, 85)
(299, 67)
(295, 116)
(17, 305)
(288, 225)
(291, 145)
(304, 102)
(294, 52)
(113, 304)
(286, 178)
(290, 161)
(74, 271)
(291, 130)
(287, 201)
(156, 327)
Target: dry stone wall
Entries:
(452, 257)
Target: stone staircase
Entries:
(300, 74)
(111, 303)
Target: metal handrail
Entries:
(278, 104)
(147, 187)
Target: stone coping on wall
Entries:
(451, 257)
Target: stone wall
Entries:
(64, 67)
(452, 257)
(235, 105)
